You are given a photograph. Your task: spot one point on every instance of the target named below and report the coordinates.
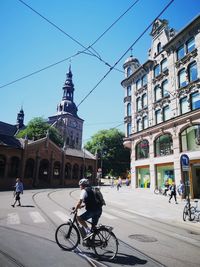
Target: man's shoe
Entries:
(19, 205)
(13, 206)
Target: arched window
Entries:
(44, 170)
(192, 71)
(156, 70)
(75, 174)
(159, 47)
(139, 125)
(195, 100)
(180, 52)
(2, 165)
(163, 145)
(165, 91)
(158, 116)
(129, 71)
(138, 84)
(14, 167)
(190, 138)
(56, 170)
(157, 93)
(128, 129)
(184, 105)
(145, 122)
(144, 80)
(144, 100)
(138, 104)
(129, 109)
(163, 65)
(68, 169)
(142, 150)
(166, 113)
(29, 169)
(190, 45)
(182, 78)
(129, 90)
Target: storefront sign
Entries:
(185, 162)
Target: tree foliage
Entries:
(108, 144)
(37, 128)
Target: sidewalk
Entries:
(144, 202)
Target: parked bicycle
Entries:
(161, 191)
(103, 241)
(193, 210)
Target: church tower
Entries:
(66, 120)
(20, 119)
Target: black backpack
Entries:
(95, 198)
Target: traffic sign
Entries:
(185, 162)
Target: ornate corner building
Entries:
(162, 108)
(41, 163)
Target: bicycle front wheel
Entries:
(105, 243)
(67, 236)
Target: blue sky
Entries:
(29, 43)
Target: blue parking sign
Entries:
(185, 162)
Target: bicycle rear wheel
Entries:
(186, 213)
(67, 236)
(105, 243)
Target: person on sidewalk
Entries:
(119, 183)
(173, 192)
(19, 188)
(181, 189)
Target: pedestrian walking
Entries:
(18, 190)
(119, 183)
(181, 189)
(173, 192)
(127, 181)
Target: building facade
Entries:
(162, 108)
(41, 163)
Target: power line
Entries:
(111, 68)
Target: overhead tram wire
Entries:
(76, 54)
(76, 41)
(111, 68)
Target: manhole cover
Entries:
(143, 238)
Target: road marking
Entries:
(13, 218)
(139, 213)
(37, 217)
(108, 216)
(63, 216)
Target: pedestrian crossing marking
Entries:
(63, 216)
(37, 217)
(13, 218)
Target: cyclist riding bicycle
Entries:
(93, 210)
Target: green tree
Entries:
(37, 128)
(108, 144)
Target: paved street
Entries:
(144, 202)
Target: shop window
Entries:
(164, 65)
(156, 70)
(182, 78)
(190, 45)
(14, 167)
(2, 165)
(163, 145)
(190, 138)
(143, 177)
(166, 113)
(158, 116)
(129, 91)
(129, 109)
(180, 52)
(192, 71)
(128, 129)
(195, 100)
(142, 150)
(184, 106)
(164, 173)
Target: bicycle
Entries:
(188, 212)
(161, 191)
(196, 211)
(103, 241)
